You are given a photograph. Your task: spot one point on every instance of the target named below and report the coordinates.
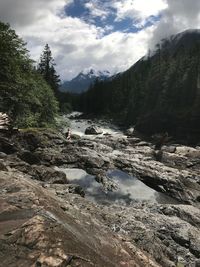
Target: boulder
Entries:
(6, 146)
(94, 130)
(76, 189)
(29, 157)
(75, 136)
(169, 149)
(130, 131)
(49, 175)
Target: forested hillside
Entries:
(161, 92)
(25, 95)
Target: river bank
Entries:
(148, 207)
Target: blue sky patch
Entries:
(109, 22)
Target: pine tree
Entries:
(24, 94)
(46, 67)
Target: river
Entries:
(129, 188)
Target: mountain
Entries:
(161, 92)
(83, 81)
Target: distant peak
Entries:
(84, 79)
(95, 73)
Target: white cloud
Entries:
(24, 12)
(96, 9)
(138, 10)
(179, 16)
(77, 45)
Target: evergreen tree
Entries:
(46, 67)
(159, 93)
(24, 94)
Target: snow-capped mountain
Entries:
(83, 80)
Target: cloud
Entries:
(179, 16)
(98, 9)
(23, 12)
(138, 10)
(77, 43)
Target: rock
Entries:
(76, 189)
(169, 149)
(183, 150)
(30, 140)
(34, 226)
(49, 175)
(6, 146)
(93, 162)
(142, 143)
(2, 155)
(3, 166)
(165, 232)
(75, 136)
(93, 130)
(63, 189)
(134, 140)
(158, 155)
(29, 157)
(108, 184)
(129, 131)
(197, 263)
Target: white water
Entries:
(78, 127)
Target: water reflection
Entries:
(130, 188)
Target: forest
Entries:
(28, 93)
(161, 92)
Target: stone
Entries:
(93, 130)
(6, 146)
(163, 231)
(169, 149)
(197, 263)
(2, 155)
(44, 234)
(29, 157)
(47, 174)
(3, 166)
(130, 131)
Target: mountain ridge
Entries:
(84, 80)
(158, 93)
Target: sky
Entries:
(100, 34)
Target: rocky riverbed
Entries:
(104, 200)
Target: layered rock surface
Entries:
(37, 229)
(43, 223)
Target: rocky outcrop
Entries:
(46, 221)
(38, 229)
(94, 130)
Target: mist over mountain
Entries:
(161, 92)
(84, 80)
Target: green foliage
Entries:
(66, 108)
(62, 123)
(24, 94)
(47, 70)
